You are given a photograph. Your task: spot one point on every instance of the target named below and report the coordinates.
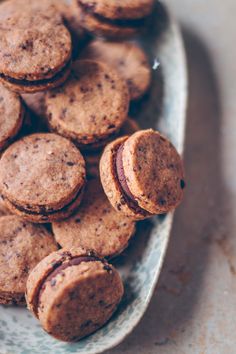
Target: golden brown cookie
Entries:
(96, 225)
(35, 48)
(129, 60)
(91, 107)
(73, 293)
(22, 246)
(42, 177)
(142, 175)
(12, 115)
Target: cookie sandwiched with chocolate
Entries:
(22, 246)
(73, 293)
(90, 107)
(142, 175)
(35, 48)
(42, 177)
(96, 225)
(114, 19)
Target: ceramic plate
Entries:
(164, 108)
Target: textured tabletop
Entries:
(193, 309)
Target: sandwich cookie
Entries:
(91, 107)
(22, 246)
(142, 175)
(35, 50)
(42, 177)
(128, 59)
(12, 115)
(114, 19)
(73, 293)
(96, 225)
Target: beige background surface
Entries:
(193, 310)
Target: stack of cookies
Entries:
(76, 172)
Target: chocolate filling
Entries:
(25, 82)
(127, 194)
(67, 261)
(43, 211)
(135, 23)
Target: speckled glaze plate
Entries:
(163, 108)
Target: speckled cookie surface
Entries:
(128, 59)
(35, 49)
(42, 173)
(124, 9)
(22, 246)
(91, 106)
(146, 174)
(73, 293)
(153, 171)
(96, 226)
(11, 116)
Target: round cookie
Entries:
(11, 116)
(95, 226)
(128, 59)
(22, 246)
(142, 175)
(114, 19)
(91, 107)
(73, 293)
(35, 49)
(42, 177)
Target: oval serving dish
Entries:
(164, 108)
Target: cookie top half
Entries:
(124, 9)
(153, 171)
(41, 172)
(91, 106)
(34, 45)
(11, 115)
